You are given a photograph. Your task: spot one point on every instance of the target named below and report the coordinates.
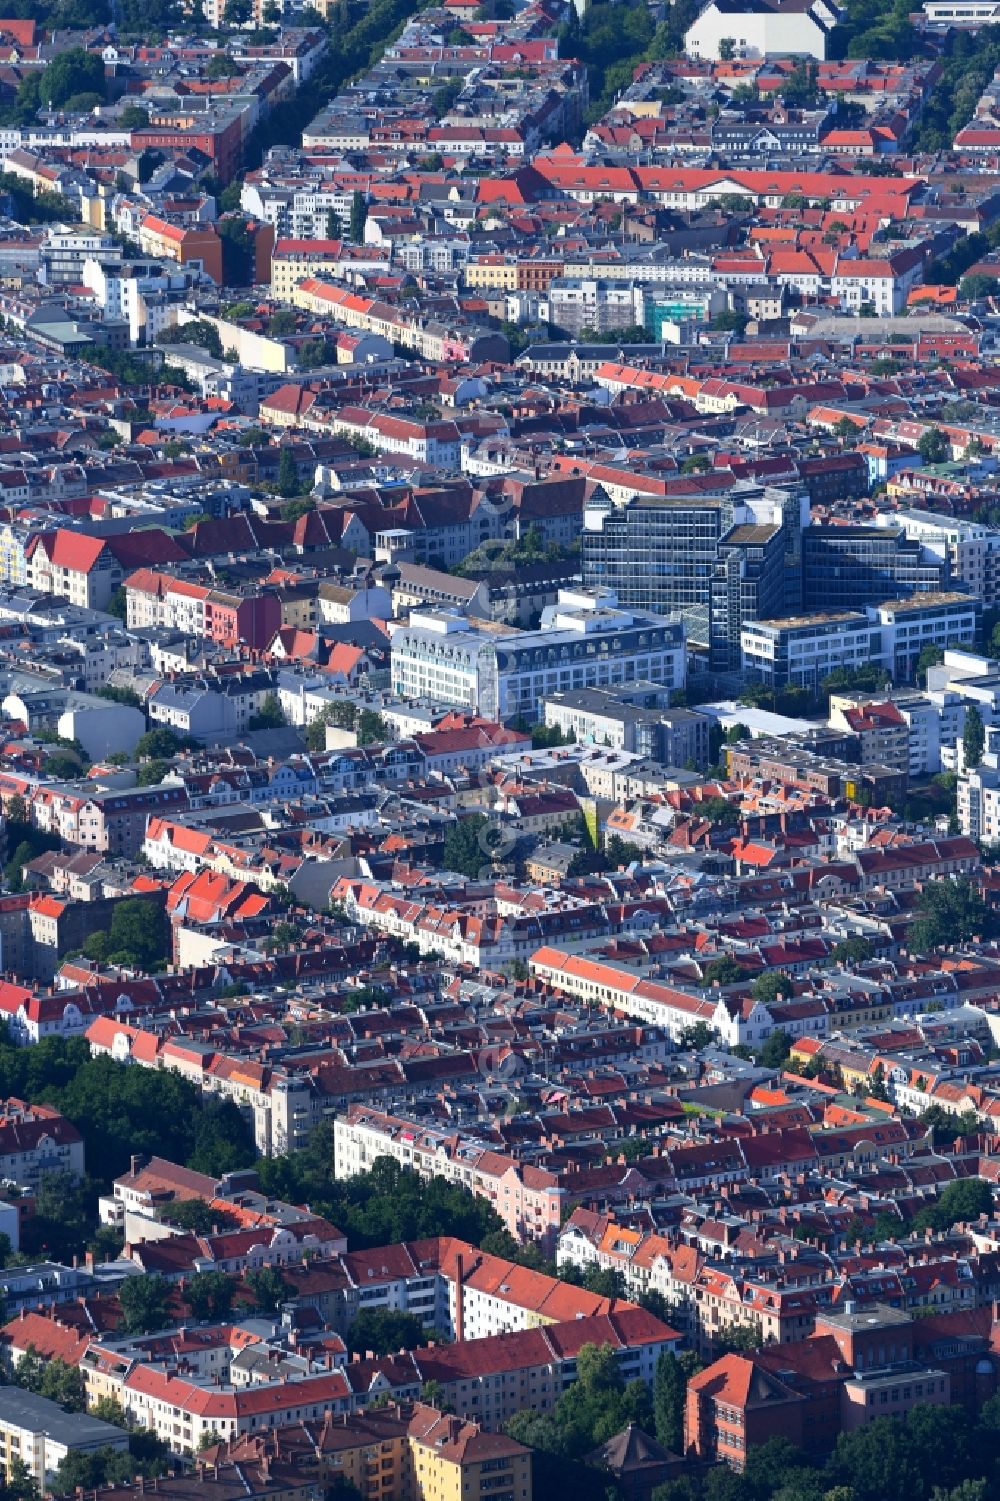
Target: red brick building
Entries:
(860, 1364)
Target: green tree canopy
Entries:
(210, 1295)
(723, 971)
(772, 985)
(75, 71)
(933, 446)
(973, 738)
(143, 1302)
(949, 911)
(384, 1331)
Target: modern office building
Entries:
(971, 550)
(848, 567)
(802, 650)
(713, 562)
(585, 641)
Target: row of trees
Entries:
(357, 44)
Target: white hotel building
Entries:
(584, 641)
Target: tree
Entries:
(930, 656)
(197, 1216)
(158, 743)
(723, 971)
(384, 1331)
(465, 848)
(281, 322)
(852, 951)
(288, 474)
(237, 254)
(52, 1378)
(371, 728)
(118, 695)
(772, 985)
(669, 1396)
(284, 935)
(151, 773)
(719, 811)
(16, 809)
(237, 12)
(933, 446)
(118, 603)
(138, 933)
(63, 766)
(730, 321)
(740, 1337)
(133, 117)
(949, 911)
(197, 331)
(975, 287)
(973, 738)
(110, 1410)
(63, 1215)
(270, 715)
(359, 217)
(268, 1287)
(598, 1405)
(604, 1282)
(20, 1484)
(210, 1295)
(143, 1303)
(75, 71)
(301, 505)
(773, 1052)
(698, 1035)
(334, 228)
(222, 1139)
(962, 1200)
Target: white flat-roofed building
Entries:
(803, 649)
(584, 641)
(971, 549)
(927, 619)
(41, 1434)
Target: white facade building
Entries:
(972, 550)
(585, 641)
(761, 30)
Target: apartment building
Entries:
(107, 821)
(39, 1434)
(528, 1199)
(36, 1140)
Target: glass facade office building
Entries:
(848, 567)
(688, 560)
